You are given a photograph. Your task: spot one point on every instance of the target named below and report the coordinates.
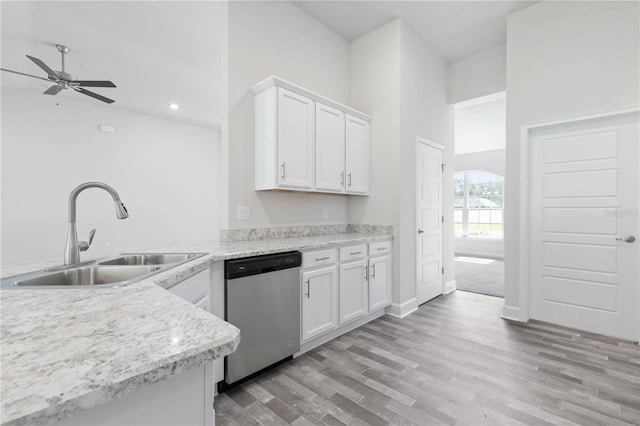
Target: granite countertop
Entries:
(66, 350)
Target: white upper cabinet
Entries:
(330, 149)
(306, 142)
(284, 140)
(357, 155)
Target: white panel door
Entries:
(330, 174)
(357, 155)
(296, 133)
(319, 302)
(429, 223)
(379, 282)
(353, 291)
(584, 204)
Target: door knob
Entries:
(626, 238)
(420, 231)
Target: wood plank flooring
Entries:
(453, 362)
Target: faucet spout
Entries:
(71, 249)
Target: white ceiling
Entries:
(455, 29)
(156, 52)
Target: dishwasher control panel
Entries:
(246, 266)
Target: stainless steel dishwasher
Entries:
(263, 301)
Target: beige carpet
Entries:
(480, 275)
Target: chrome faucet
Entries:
(72, 247)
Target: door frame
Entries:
(522, 311)
(432, 144)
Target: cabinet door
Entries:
(319, 300)
(357, 155)
(379, 282)
(330, 174)
(295, 140)
(353, 291)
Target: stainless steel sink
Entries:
(150, 259)
(121, 270)
(90, 275)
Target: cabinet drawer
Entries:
(318, 258)
(380, 248)
(353, 252)
(193, 288)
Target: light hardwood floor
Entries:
(454, 361)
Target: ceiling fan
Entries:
(64, 80)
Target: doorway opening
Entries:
(479, 194)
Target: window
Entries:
(478, 202)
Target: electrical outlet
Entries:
(325, 213)
(243, 212)
(107, 245)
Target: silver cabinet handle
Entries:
(308, 288)
(282, 167)
(353, 253)
(381, 248)
(318, 259)
(373, 270)
(366, 273)
(626, 238)
(341, 178)
(420, 231)
(349, 178)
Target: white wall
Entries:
(278, 38)
(564, 59)
(480, 74)
(481, 127)
(375, 88)
(489, 161)
(167, 174)
(401, 81)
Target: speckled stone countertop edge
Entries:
(166, 369)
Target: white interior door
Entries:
(584, 218)
(428, 220)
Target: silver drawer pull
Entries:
(381, 248)
(308, 282)
(353, 253)
(318, 259)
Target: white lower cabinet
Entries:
(319, 302)
(342, 289)
(379, 282)
(353, 291)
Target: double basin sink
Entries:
(109, 272)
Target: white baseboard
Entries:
(321, 340)
(511, 313)
(450, 287)
(402, 310)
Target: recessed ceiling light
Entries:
(174, 106)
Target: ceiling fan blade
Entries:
(53, 90)
(93, 95)
(28, 75)
(94, 83)
(49, 71)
